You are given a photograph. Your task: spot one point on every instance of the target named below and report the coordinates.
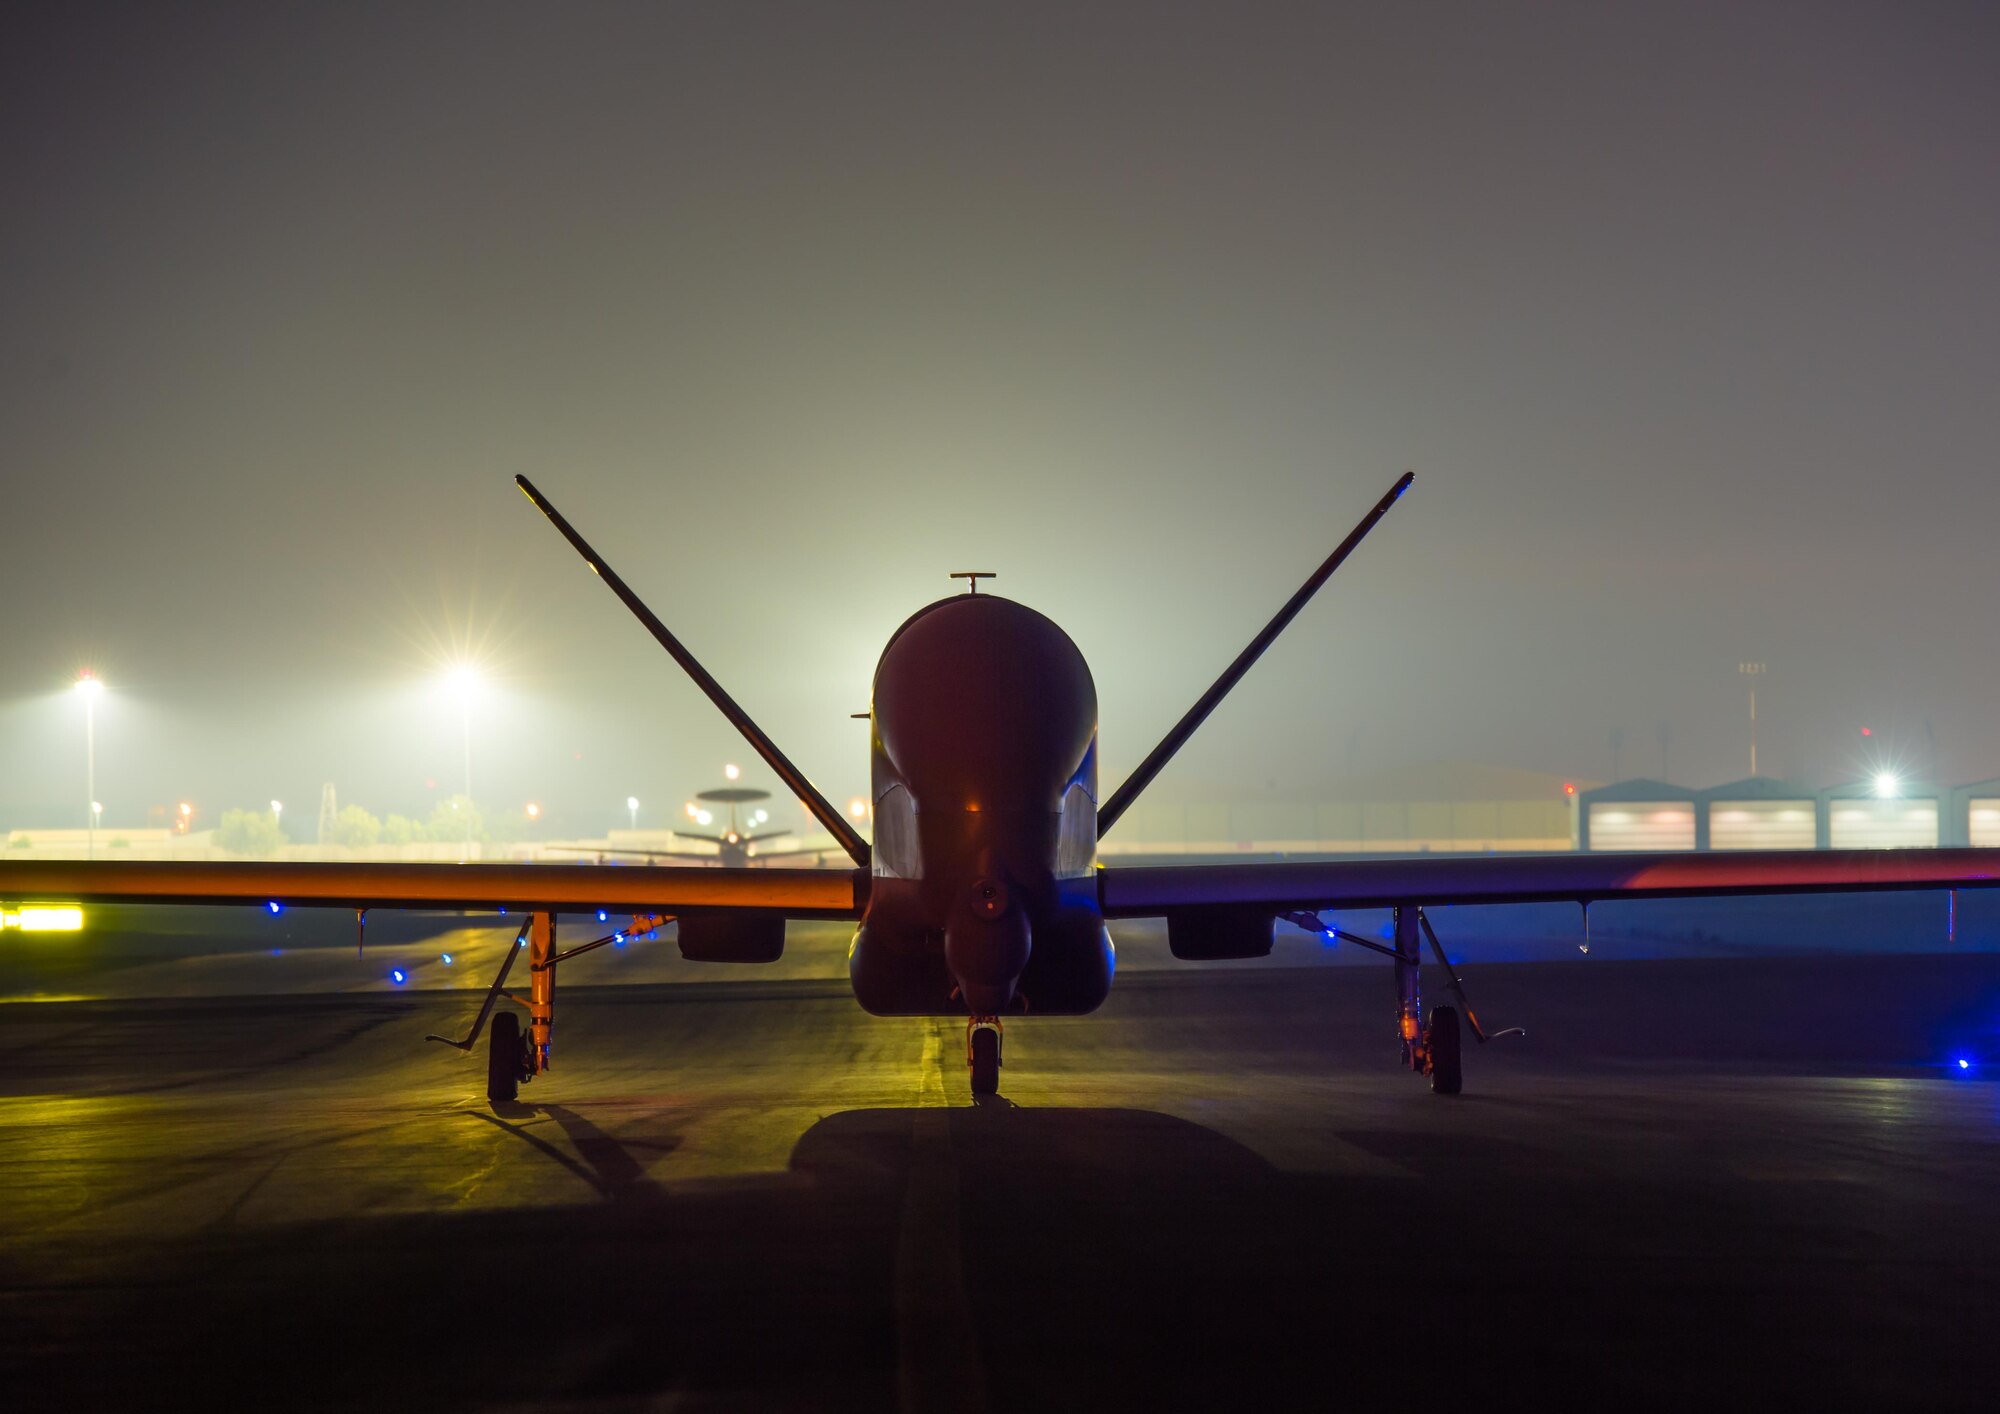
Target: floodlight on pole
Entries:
(277, 812)
(461, 680)
(90, 687)
(632, 809)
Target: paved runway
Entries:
(1695, 1184)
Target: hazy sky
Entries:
(1687, 317)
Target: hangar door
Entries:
(1641, 824)
(1761, 824)
(1983, 826)
(1883, 824)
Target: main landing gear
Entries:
(1430, 1046)
(513, 1059)
(982, 1053)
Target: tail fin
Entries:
(1122, 798)
(808, 794)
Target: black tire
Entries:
(1441, 1041)
(985, 1061)
(503, 1058)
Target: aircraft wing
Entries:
(520, 888)
(1140, 892)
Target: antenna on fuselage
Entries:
(795, 781)
(1108, 813)
(972, 578)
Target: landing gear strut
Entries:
(1429, 1047)
(982, 1053)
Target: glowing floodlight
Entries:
(461, 680)
(534, 811)
(1886, 785)
(732, 770)
(703, 817)
(89, 684)
(858, 809)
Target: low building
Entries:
(1875, 815)
(1640, 815)
(1762, 812)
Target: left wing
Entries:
(523, 888)
(1578, 878)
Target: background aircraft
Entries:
(735, 847)
(982, 896)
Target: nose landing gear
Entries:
(982, 1053)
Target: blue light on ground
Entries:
(275, 906)
(445, 958)
(398, 976)
(602, 915)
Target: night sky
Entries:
(1686, 317)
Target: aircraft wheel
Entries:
(985, 1060)
(1441, 1044)
(503, 1058)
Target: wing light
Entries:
(43, 918)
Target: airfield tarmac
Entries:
(1694, 1184)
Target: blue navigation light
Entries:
(398, 976)
(503, 910)
(445, 958)
(602, 915)
(618, 939)
(1964, 1064)
(275, 906)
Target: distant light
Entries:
(277, 807)
(1964, 1064)
(631, 802)
(97, 807)
(1886, 785)
(462, 680)
(702, 817)
(275, 906)
(1866, 732)
(46, 918)
(858, 808)
(692, 809)
(1568, 788)
(398, 976)
(534, 811)
(602, 915)
(618, 939)
(186, 810)
(732, 770)
(445, 958)
(89, 684)
(503, 910)
(760, 817)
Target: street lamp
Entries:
(91, 687)
(632, 809)
(277, 813)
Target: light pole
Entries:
(632, 809)
(1752, 671)
(463, 680)
(278, 815)
(92, 688)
